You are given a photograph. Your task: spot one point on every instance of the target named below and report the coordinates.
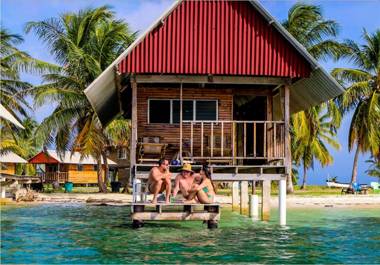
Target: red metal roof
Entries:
(218, 38)
(42, 158)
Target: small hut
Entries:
(9, 161)
(52, 166)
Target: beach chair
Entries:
(150, 149)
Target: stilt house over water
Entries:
(213, 82)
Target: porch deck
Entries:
(50, 177)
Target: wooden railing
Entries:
(49, 177)
(230, 140)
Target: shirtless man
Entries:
(159, 180)
(184, 181)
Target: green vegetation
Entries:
(362, 96)
(12, 91)
(374, 168)
(312, 129)
(84, 44)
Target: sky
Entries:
(352, 16)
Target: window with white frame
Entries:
(122, 153)
(168, 110)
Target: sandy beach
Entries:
(292, 200)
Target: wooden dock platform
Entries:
(141, 212)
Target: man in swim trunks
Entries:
(159, 180)
(184, 181)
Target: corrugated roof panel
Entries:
(312, 91)
(219, 38)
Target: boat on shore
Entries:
(335, 184)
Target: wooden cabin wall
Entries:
(87, 176)
(169, 133)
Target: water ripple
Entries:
(75, 233)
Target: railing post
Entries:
(191, 139)
(233, 141)
(180, 123)
(254, 139)
(245, 139)
(202, 139)
(222, 140)
(212, 139)
(265, 139)
(274, 141)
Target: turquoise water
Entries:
(76, 233)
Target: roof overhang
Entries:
(11, 157)
(305, 93)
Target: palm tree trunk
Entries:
(355, 166)
(101, 185)
(289, 183)
(304, 177)
(106, 168)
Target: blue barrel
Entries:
(69, 187)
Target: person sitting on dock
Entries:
(184, 181)
(159, 180)
(203, 192)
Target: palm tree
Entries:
(14, 61)
(318, 35)
(311, 130)
(374, 168)
(84, 44)
(362, 96)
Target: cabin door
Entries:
(249, 108)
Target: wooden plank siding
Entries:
(83, 177)
(169, 133)
(86, 176)
(197, 135)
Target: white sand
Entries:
(292, 200)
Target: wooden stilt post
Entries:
(134, 124)
(265, 200)
(133, 146)
(235, 195)
(254, 206)
(282, 201)
(244, 197)
(288, 158)
(2, 192)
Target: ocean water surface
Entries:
(77, 233)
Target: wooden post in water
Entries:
(2, 191)
(254, 206)
(265, 200)
(282, 201)
(244, 197)
(235, 195)
(288, 157)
